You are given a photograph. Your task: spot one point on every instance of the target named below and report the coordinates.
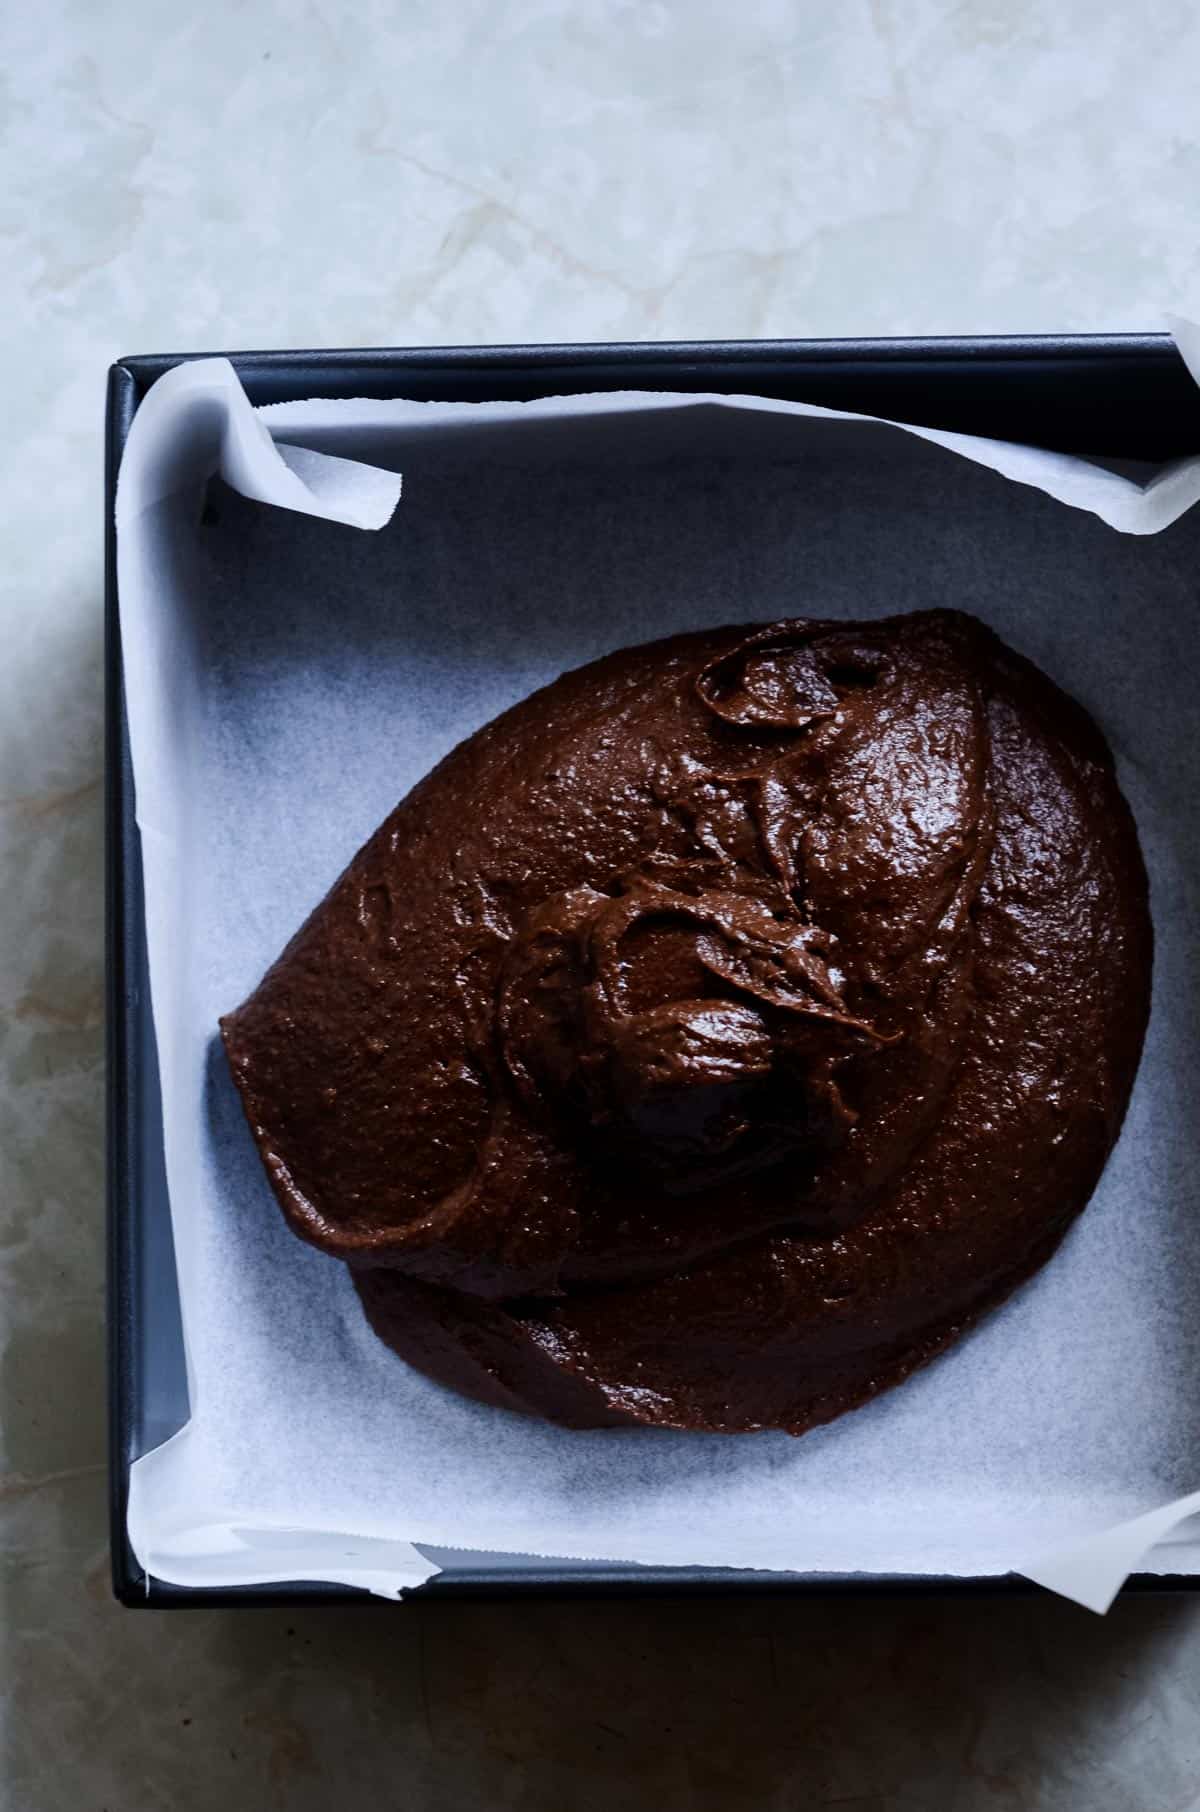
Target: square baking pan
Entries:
(1120, 398)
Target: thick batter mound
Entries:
(710, 1039)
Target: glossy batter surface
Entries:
(710, 1038)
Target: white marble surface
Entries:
(252, 173)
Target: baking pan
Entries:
(1122, 397)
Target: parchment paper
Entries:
(288, 677)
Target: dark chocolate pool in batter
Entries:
(714, 1036)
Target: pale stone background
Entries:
(288, 173)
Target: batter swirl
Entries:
(712, 1037)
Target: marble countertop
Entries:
(268, 173)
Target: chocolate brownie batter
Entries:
(711, 1038)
